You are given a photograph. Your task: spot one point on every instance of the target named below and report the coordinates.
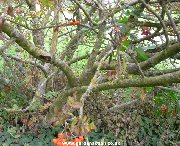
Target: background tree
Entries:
(80, 48)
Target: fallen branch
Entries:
(169, 89)
(122, 106)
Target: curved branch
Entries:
(161, 80)
(74, 60)
(154, 60)
(171, 51)
(39, 54)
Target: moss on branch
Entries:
(37, 53)
(161, 80)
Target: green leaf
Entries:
(19, 19)
(141, 54)
(124, 19)
(5, 144)
(46, 3)
(126, 43)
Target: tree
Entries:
(126, 38)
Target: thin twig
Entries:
(156, 33)
(87, 15)
(173, 25)
(132, 55)
(159, 18)
(44, 27)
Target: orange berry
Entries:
(81, 138)
(55, 141)
(63, 140)
(76, 139)
(72, 143)
(59, 143)
(60, 135)
(76, 22)
(71, 23)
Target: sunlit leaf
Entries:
(46, 3)
(141, 54)
(84, 119)
(92, 126)
(124, 19)
(125, 43)
(74, 122)
(38, 14)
